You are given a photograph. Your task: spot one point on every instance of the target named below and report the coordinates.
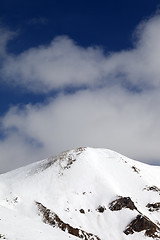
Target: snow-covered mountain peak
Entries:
(82, 193)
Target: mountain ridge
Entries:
(93, 193)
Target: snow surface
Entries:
(83, 178)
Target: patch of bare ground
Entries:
(52, 219)
(142, 223)
(122, 202)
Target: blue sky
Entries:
(78, 73)
(104, 23)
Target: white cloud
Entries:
(5, 36)
(107, 114)
(110, 118)
(63, 63)
(58, 65)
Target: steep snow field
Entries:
(79, 186)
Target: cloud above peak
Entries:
(109, 118)
(116, 104)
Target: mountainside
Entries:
(86, 193)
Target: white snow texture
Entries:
(73, 186)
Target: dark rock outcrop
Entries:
(153, 206)
(142, 223)
(2, 236)
(135, 169)
(101, 209)
(52, 219)
(82, 211)
(152, 188)
(122, 202)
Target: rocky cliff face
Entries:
(90, 194)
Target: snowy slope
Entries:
(86, 193)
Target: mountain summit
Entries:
(85, 193)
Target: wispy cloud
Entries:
(37, 21)
(5, 36)
(117, 109)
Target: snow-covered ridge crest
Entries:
(63, 160)
(84, 193)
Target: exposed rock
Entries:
(70, 157)
(2, 236)
(101, 209)
(80, 150)
(135, 169)
(82, 211)
(122, 202)
(64, 160)
(52, 219)
(152, 188)
(142, 223)
(153, 206)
